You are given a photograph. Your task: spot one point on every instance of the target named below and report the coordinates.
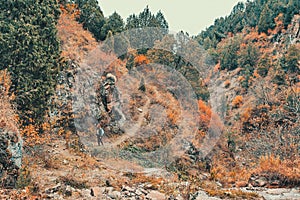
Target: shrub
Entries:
(24, 178)
(291, 61)
(237, 101)
(205, 114)
(227, 83)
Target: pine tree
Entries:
(229, 54)
(132, 22)
(91, 16)
(114, 23)
(292, 8)
(162, 22)
(266, 20)
(146, 18)
(29, 49)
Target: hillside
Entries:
(219, 120)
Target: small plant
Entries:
(237, 101)
(227, 83)
(24, 179)
(231, 144)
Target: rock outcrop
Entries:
(10, 157)
(61, 112)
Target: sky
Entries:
(191, 16)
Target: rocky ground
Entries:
(58, 172)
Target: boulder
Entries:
(258, 181)
(155, 195)
(10, 157)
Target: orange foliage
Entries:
(75, 41)
(70, 9)
(31, 135)
(279, 24)
(141, 60)
(205, 113)
(217, 67)
(246, 115)
(227, 83)
(241, 78)
(237, 101)
(255, 74)
(288, 168)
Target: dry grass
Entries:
(287, 171)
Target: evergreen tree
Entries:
(292, 8)
(290, 62)
(147, 19)
(162, 22)
(266, 20)
(114, 23)
(229, 54)
(132, 22)
(249, 56)
(29, 49)
(91, 16)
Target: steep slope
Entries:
(262, 117)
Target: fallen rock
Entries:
(97, 191)
(201, 195)
(68, 191)
(53, 189)
(241, 184)
(155, 195)
(258, 181)
(127, 188)
(114, 195)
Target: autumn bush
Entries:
(237, 101)
(227, 83)
(205, 114)
(141, 60)
(75, 41)
(286, 171)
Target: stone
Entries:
(201, 195)
(241, 184)
(86, 193)
(149, 186)
(260, 182)
(143, 191)
(97, 191)
(68, 191)
(114, 195)
(155, 195)
(138, 192)
(54, 189)
(127, 188)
